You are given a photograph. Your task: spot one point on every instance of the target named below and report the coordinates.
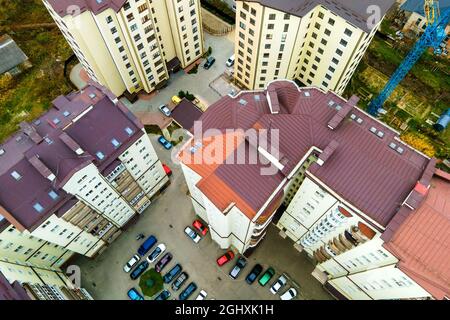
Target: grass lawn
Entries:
(31, 93)
(151, 282)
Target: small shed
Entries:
(12, 58)
(186, 113)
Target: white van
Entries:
(230, 61)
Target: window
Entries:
(335, 61)
(287, 16)
(38, 207)
(270, 26)
(242, 25)
(115, 143)
(348, 32)
(324, 42)
(272, 16)
(331, 22)
(339, 52)
(317, 25)
(321, 15)
(327, 32)
(343, 42)
(109, 19)
(16, 175)
(52, 194)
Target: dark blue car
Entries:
(186, 293)
(139, 270)
(163, 295)
(147, 245)
(169, 276)
(166, 144)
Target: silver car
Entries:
(131, 263)
(165, 110)
(192, 234)
(280, 283)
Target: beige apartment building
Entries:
(318, 43)
(129, 46)
(64, 192)
(342, 187)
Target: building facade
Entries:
(64, 191)
(318, 43)
(340, 184)
(131, 45)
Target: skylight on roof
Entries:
(16, 175)
(92, 95)
(359, 120)
(38, 207)
(52, 194)
(307, 94)
(37, 122)
(115, 143)
(400, 150)
(392, 145)
(257, 97)
(129, 131)
(66, 113)
(353, 116)
(2, 152)
(330, 103)
(380, 134)
(373, 130)
(243, 102)
(100, 155)
(48, 140)
(56, 121)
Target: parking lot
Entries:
(166, 218)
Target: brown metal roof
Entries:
(364, 169)
(356, 12)
(186, 113)
(73, 7)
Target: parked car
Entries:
(131, 263)
(166, 144)
(133, 294)
(280, 283)
(169, 276)
(165, 110)
(186, 293)
(254, 273)
(141, 267)
(227, 257)
(156, 253)
(209, 62)
(240, 264)
(192, 234)
(230, 61)
(200, 227)
(147, 245)
(202, 295)
(164, 261)
(176, 285)
(176, 99)
(290, 294)
(164, 295)
(167, 170)
(265, 278)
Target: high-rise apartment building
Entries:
(131, 45)
(71, 181)
(336, 181)
(319, 43)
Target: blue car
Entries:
(139, 270)
(166, 144)
(133, 294)
(169, 276)
(188, 291)
(163, 295)
(147, 245)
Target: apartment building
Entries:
(36, 284)
(71, 181)
(341, 184)
(129, 46)
(318, 43)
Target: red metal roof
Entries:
(364, 169)
(422, 242)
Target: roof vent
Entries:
(243, 102)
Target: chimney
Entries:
(326, 154)
(343, 113)
(72, 144)
(31, 132)
(41, 168)
(272, 98)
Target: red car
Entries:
(200, 227)
(167, 170)
(227, 257)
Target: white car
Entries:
(165, 110)
(281, 282)
(156, 253)
(289, 295)
(230, 61)
(192, 234)
(131, 263)
(202, 295)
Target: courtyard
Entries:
(166, 219)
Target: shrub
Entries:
(151, 282)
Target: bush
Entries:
(186, 95)
(221, 9)
(194, 70)
(151, 283)
(181, 94)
